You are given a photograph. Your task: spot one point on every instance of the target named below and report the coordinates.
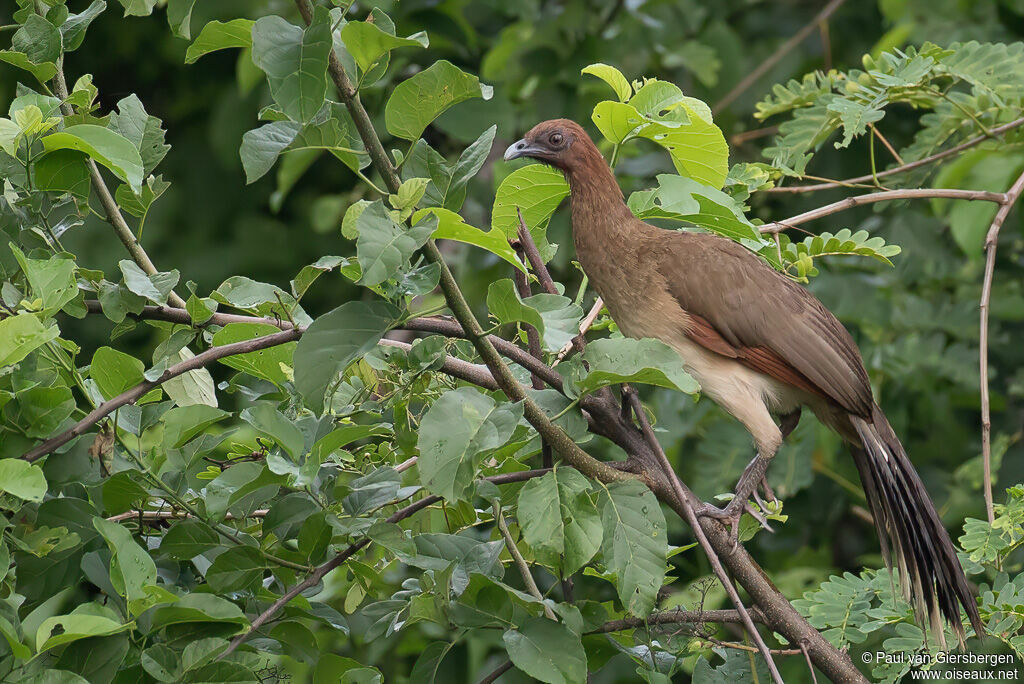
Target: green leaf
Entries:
(198, 608)
(114, 371)
(138, 8)
(161, 662)
(63, 171)
(131, 568)
(63, 629)
(557, 516)
(138, 205)
(334, 341)
(270, 364)
(20, 334)
(295, 62)
(42, 72)
(38, 39)
(451, 226)
(634, 545)
(536, 190)
(556, 318)
(651, 362)
(416, 102)
(240, 568)
(191, 388)
(547, 651)
(367, 43)
(154, 287)
(218, 35)
(447, 186)
(262, 146)
(143, 130)
(268, 421)
(44, 409)
(455, 435)
(183, 423)
(73, 29)
(22, 479)
(187, 539)
(855, 117)
(795, 94)
(612, 77)
(425, 669)
(179, 17)
(106, 147)
(52, 280)
(384, 247)
(683, 199)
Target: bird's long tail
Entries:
(910, 532)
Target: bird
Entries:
(759, 344)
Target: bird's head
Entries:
(559, 142)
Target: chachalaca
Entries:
(758, 343)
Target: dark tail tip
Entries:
(910, 532)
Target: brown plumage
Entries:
(758, 343)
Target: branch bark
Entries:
(886, 196)
(991, 243)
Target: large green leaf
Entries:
(658, 111)
(143, 130)
(547, 651)
(73, 29)
(447, 186)
(417, 101)
(536, 190)
(270, 364)
(38, 39)
(451, 226)
(131, 568)
(218, 35)
(334, 341)
(295, 62)
(367, 42)
(384, 247)
(63, 629)
(684, 199)
(613, 361)
(456, 433)
(634, 545)
(555, 317)
(612, 77)
(52, 279)
(558, 517)
(114, 371)
(105, 146)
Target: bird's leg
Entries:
(787, 424)
(752, 476)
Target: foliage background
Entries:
(916, 323)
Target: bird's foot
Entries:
(753, 478)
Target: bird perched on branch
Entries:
(759, 344)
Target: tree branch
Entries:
(114, 217)
(520, 562)
(867, 178)
(529, 248)
(688, 513)
(132, 395)
(991, 244)
(886, 196)
(773, 59)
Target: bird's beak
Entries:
(520, 148)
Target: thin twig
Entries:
(761, 69)
(161, 516)
(520, 562)
(578, 342)
(938, 156)
(991, 244)
(691, 517)
(888, 146)
(887, 196)
(497, 672)
(672, 617)
(533, 344)
(529, 247)
(114, 217)
(751, 649)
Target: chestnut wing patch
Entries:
(761, 359)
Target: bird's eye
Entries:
(556, 139)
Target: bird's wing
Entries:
(741, 307)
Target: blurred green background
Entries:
(917, 323)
